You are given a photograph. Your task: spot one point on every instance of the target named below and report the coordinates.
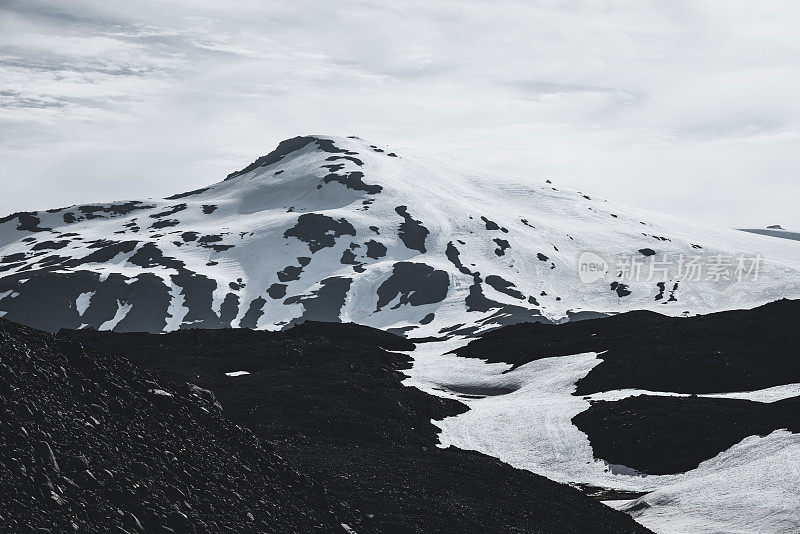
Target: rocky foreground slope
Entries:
(93, 444)
(329, 440)
(337, 229)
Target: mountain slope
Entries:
(93, 444)
(330, 399)
(333, 229)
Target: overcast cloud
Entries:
(685, 107)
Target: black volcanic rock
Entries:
(412, 232)
(353, 180)
(740, 350)
(326, 301)
(414, 283)
(93, 444)
(330, 399)
(504, 286)
(665, 435)
(27, 220)
(285, 148)
(375, 249)
(319, 231)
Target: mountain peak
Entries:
(337, 229)
(288, 146)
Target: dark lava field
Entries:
(139, 433)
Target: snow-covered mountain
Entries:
(331, 228)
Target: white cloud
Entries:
(685, 107)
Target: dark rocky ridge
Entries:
(665, 435)
(285, 148)
(774, 231)
(740, 350)
(329, 398)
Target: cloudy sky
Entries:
(685, 107)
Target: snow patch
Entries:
(83, 301)
(122, 310)
(751, 487)
(767, 395)
(176, 311)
